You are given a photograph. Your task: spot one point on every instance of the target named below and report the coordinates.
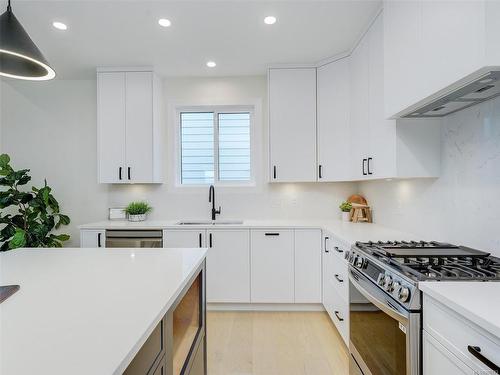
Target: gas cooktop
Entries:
(434, 260)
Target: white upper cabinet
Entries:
(292, 124)
(382, 148)
(333, 121)
(432, 47)
(128, 120)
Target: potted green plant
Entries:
(138, 211)
(346, 208)
(27, 217)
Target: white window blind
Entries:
(215, 147)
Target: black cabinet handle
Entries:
(128, 171)
(99, 239)
(368, 164)
(199, 239)
(320, 171)
(338, 250)
(272, 234)
(476, 352)
(274, 172)
(364, 167)
(338, 278)
(210, 240)
(326, 247)
(338, 316)
(120, 173)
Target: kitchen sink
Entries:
(210, 222)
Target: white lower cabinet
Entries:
(336, 284)
(228, 266)
(272, 265)
(307, 266)
(437, 360)
(93, 238)
(173, 238)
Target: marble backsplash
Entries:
(463, 205)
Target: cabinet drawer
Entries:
(148, 355)
(338, 309)
(456, 333)
(339, 249)
(339, 278)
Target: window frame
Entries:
(216, 110)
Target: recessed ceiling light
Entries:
(211, 64)
(164, 22)
(59, 25)
(270, 20)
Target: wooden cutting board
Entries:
(356, 198)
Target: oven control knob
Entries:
(359, 262)
(404, 294)
(381, 279)
(387, 282)
(395, 287)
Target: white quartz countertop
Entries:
(347, 232)
(477, 301)
(86, 311)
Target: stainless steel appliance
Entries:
(134, 238)
(386, 304)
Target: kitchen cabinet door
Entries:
(187, 238)
(92, 238)
(139, 128)
(333, 121)
(111, 126)
(307, 266)
(359, 109)
(272, 268)
(228, 266)
(292, 124)
(381, 161)
(439, 360)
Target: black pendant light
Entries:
(19, 57)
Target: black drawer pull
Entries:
(364, 167)
(199, 239)
(210, 240)
(338, 316)
(120, 173)
(99, 239)
(326, 247)
(129, 173)
(272, 234)
(320, 171)
(338, 278)
(476, 352)
(338, 250)
(274, 172)
(368, 164)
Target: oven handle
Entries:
(385, 307)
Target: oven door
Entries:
(384, 337)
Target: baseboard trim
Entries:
(265, 307)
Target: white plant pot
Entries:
(346, 216)
(137, 217)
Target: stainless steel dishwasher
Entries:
(134, 238)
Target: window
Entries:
(215, 147)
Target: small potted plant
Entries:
(138, 211)
(346, 207)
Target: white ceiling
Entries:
(232, 33)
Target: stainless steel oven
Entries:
(134, 238)
(384, 336)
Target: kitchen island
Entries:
(93, 311)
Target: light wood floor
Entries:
(274, 343)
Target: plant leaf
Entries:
(18, 240)
(4, 160)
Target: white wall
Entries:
(50, 127)
(463, 205)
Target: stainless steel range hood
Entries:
(485, 87)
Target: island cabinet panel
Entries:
(150, 355)
(228, 266)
